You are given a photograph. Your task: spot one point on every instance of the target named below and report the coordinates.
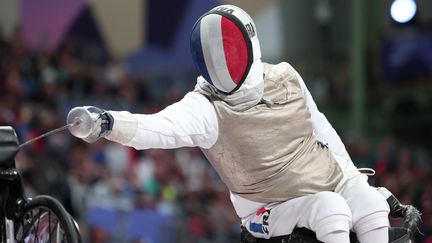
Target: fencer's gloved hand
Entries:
(411, 215)
(91, 123)
(102, 125)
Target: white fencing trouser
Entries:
(354, 205)
(323, 213)
(368, 206)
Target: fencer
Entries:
(283, 163)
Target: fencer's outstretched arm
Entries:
(322, 127)
(190, 122)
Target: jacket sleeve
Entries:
(191, 122)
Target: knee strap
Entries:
(371, 222)
(332, 224)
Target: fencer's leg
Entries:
(325, 213)
(369, 210)
(329, 217)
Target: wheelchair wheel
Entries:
(44, 220)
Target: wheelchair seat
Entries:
(8, 147)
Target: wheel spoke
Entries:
(49, 224)
(58, 233)
(57, 225)
(34, 229)
(38, 223)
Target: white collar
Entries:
(248, 95)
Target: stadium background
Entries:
(371, 76)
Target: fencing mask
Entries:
(226, 51)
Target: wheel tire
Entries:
(44, 217)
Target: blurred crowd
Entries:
(38, 88)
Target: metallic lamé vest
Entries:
(269, 153)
